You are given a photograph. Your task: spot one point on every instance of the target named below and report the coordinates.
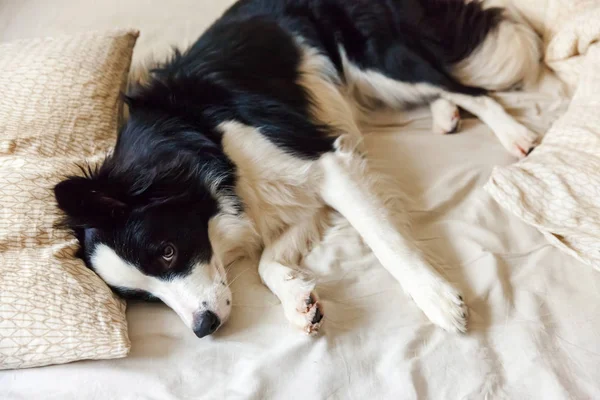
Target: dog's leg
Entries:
(516, 138)
(346, 187)
(293, 287)
(446, 117)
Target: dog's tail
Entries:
(507, 56)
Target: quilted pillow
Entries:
(59, 106)
(557, 188)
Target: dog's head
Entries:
(146, 219)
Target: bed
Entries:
(533, 309)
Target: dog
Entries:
(244, 144)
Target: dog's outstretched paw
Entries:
(442, 304)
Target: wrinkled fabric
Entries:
(556, 188)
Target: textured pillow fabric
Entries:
(557, 188)
(59, 106)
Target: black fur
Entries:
(168, 171)
(407, 40)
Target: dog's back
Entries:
(408, 40)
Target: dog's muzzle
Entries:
(206, 323)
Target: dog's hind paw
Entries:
(446, 116)
(518, 140)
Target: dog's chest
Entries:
(279, 190)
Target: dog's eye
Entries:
(168, 253)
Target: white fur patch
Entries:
(510, 55)
(278, 189)
(369, 87)
(117, 272)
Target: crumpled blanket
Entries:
(556, 189)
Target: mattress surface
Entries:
(534, 311)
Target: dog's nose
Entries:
(206, 323)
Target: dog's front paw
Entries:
(302, 307)
(442, 304)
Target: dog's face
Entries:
(144, 226)
(159, 252)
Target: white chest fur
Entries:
(278, 190)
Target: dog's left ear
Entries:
(87, 203)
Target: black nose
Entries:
(206, 323)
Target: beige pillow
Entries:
(557, 188)
(59, 105)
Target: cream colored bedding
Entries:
(556, 188)
(534, 321)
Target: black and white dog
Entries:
(244, 143)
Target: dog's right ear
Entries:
(87, 204)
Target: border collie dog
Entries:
(246, 142)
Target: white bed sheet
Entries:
(534, 311)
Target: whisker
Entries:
(226, 270)
(228, 266)
(238, 275)
(217, 277)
